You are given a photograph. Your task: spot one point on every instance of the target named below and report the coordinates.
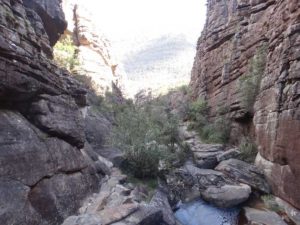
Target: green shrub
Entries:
(271, 204)
(216, 131)
(249, 84)
(248, 150)
(148, 134)
(65, 53)
(198, 114)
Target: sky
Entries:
(149, 17)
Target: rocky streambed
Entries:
(212, 188)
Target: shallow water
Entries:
(201, 213)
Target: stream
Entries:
(199, 212)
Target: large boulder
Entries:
(190, 182)
(244, 173)
(227, 196)
(160, 201)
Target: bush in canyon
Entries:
(65, 53)
(249, 84)
(248, 150)
(216, 131)
(148, 134)
(198, 114)
(271, 204)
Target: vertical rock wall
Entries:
(45, 169)
(94, 49)
(234, 31)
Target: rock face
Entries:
(229, 44)
(94, 49)
(52, 16)
(46, 168)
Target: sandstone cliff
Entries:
(47, 166)
(94, 49)
(236, 32)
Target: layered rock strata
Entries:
(235, 33)
(94, 54)
(46, 167)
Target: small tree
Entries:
(249, 84)
(65, 53)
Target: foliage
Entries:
(198, 113)
(248, 150)
(216, 131)
(271, 204)
(148, 134)
(65, 53)
(249, 84)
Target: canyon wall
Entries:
(236, 32)
(94, 53)
(48, 159)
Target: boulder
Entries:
(188, 182)
(160, 201)
(204, 178)
(205, 155)
(244, 173)
(261, 217)
(227, 196)
(229, 154)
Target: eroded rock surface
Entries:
(45, 171)
(244, 173)
(94, 54)
(255, 216)
(189, 183)
(234, 32)
(117, 204)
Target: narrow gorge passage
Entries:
(154, 112)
